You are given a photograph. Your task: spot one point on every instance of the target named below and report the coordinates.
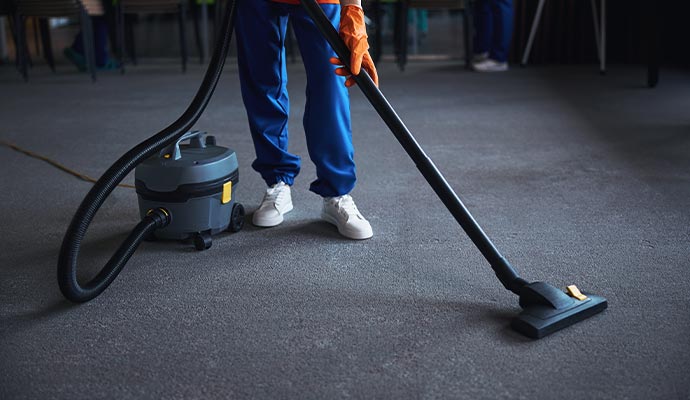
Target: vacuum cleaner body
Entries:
(196, 184)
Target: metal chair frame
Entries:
(83, 9)
(599, 32)
(125, 7)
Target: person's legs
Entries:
(502, 11)
(100, 31)
(483, 26)
(328, 128)
(260, 28)
(423, 21)
(78, 43)
(327, 112)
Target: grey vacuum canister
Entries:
(196, 184)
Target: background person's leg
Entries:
(100, 31)
(75, 53)
(423, 21)
(502, 11)
(260, 28)
(327, 112)
(483, 26)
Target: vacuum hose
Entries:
(69, 252)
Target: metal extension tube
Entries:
(504, 271)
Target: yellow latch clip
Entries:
(227, 192)
(573, 291)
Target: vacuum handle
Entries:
(196, 139)
(504, 271)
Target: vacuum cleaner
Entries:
(546, 309)
(194, 183)
(184, 190)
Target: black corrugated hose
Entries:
(69, 252)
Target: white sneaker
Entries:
(490, 65)
(342, 212)
(479, 57)
(277, 201)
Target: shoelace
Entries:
(274, 195)
(347, 205)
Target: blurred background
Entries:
(636, 32)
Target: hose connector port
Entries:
(160, 216)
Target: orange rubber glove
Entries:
(353, 31)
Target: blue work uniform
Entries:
(261, 28)
(494, 28)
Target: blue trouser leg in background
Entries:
(503, 29)
(483, 25)
(494, 25)
(260, 29)
(100, 33)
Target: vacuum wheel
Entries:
(236, 218)
(202, 241)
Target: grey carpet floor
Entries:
(579, 179)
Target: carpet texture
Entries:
(579, 179)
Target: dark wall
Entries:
(566, 33)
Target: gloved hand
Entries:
(354, 33)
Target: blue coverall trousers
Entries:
(494, 25)
(261, 29)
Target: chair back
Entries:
(438, 4)
(150, 6)
(6, 7)
(58, 8)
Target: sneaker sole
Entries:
(345, 232)
(491, 70)
(270, 222)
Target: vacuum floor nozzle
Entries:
(547, 309)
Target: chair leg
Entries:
(46, 43)
(602, 65)
(129, 37)
(378, 32)
(183, 35)
(3, 40)
(653, 46)
(600, 33)
(120, 37)
(533, 32)
(204, 29)
(412, 29)
(468, 33)
(14, 29)
(217, 19)
(12, 22)
(87, 37)
(402, 34)
(197, 33)
(27, 52)
(597, 35)
(37, 36)
(22, 55)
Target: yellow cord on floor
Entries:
(56, 164)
